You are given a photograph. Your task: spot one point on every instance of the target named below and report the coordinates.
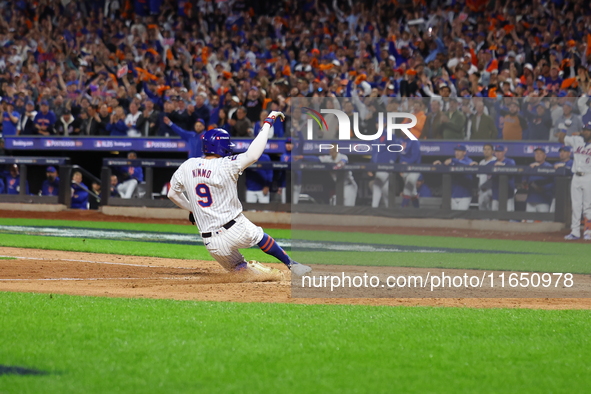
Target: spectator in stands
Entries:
(79, 192)
(565, 160)
(67, 125)
(418, 109)
(553, 81)
(454, 124)
(51, 185)
(539, 122)
(19, 104)
(103, 119)
(45, 120)
(89, 121)
(133, 119)
(568, 123)
(57, 106)
(202, 111)
(485, 180)
(117, 126)
(514, 125)
(9, 118)
(94, 200)
(451, 54)
(169, 111)
(241, 126)
(461, 184)
(151, 118)
(434, 124)
(130, 176)
(258, 183)
(254, 104)
(26, 123)
(184, 114)
(540, 189)
(13, 181)
(193, 138)
(500, 152)
(222, 120)
(481, 126)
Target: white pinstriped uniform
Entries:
(580, 189)
(210, 185)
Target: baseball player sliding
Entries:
(210, 184)
(580, 188)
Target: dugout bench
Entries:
(439, 208)
(155, 200)
(61, 163)
(444, 211)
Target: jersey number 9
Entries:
(202, 191)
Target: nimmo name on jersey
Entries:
(201, 172)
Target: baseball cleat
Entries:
(257, 272)
(572, 237)
(587, 236)
(299, 269)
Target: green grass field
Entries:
(104, 345)
(462, 253)
(100, 345)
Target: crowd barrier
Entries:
(515, 149)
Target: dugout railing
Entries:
(440, 210)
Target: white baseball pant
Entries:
(461, 204)
(282, 193)
(510, 205)
(350, 194)
(485, 200)
(542, 208)
(580, 194)
(297, 190)
(254, 196)
(224, 245)
(127, 188)
(410, 183)
(380, 189)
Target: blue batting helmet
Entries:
(217, 142)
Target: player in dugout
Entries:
(540, 189)
(461, 184)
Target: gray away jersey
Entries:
(210, 185)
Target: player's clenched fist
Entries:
(274, 115)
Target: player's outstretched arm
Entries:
(257, 147)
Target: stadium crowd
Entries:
(468, 70)
(119, 67)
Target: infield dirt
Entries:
(92, 274)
